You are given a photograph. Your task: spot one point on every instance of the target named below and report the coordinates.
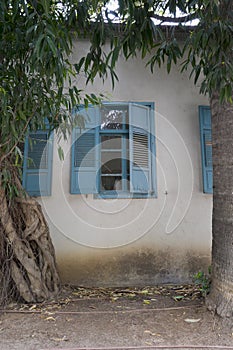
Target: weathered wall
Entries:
(139, 241)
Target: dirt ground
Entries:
(164, 317)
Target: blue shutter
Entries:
(153, 153)
(85, 154)
(206, 148)
(37, 168)
(139, 141)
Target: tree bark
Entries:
(220, 298)
(27, 257)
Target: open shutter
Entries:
(37, 168)
(139, 141)
(206, 148)
(85, 154)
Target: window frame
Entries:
(127, 194)
(98, 194)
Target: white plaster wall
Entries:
(138, 241)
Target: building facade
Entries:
(131, 202)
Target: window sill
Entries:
(123, 195)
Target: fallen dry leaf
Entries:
(151, 333)
(192, 320)
(50, 318)
(60, 339)
(114, 298)
(33, 307)
(144, 291)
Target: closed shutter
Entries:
(85, 154)
(206, 148)
(37, 169)
(139, 140)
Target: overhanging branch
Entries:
(174, 19)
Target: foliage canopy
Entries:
(36, 41)
(140, 27)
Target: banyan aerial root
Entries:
(27, 257)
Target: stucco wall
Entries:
(138, 241)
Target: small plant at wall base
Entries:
(203, 281)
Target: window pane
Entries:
(111, 183)
(111, 142)
(111, 163)
(127, 183)
(114, 117)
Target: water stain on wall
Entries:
(139, 267)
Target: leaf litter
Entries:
(119, 300)
(147, 295)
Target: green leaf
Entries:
(39, 44)
(46, 6)
(60, 153)
(52, 45)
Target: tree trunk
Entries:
(27, 257)
(220, 298)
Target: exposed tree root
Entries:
(28, 267)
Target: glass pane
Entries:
(111, 142)
(114, 117)
(111, 163)
(128, 183)
(111, 183)
(127, 166)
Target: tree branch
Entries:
(16, 143)
(174, 19)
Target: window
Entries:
(37, 167)
(206, 148)
(114, 156)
